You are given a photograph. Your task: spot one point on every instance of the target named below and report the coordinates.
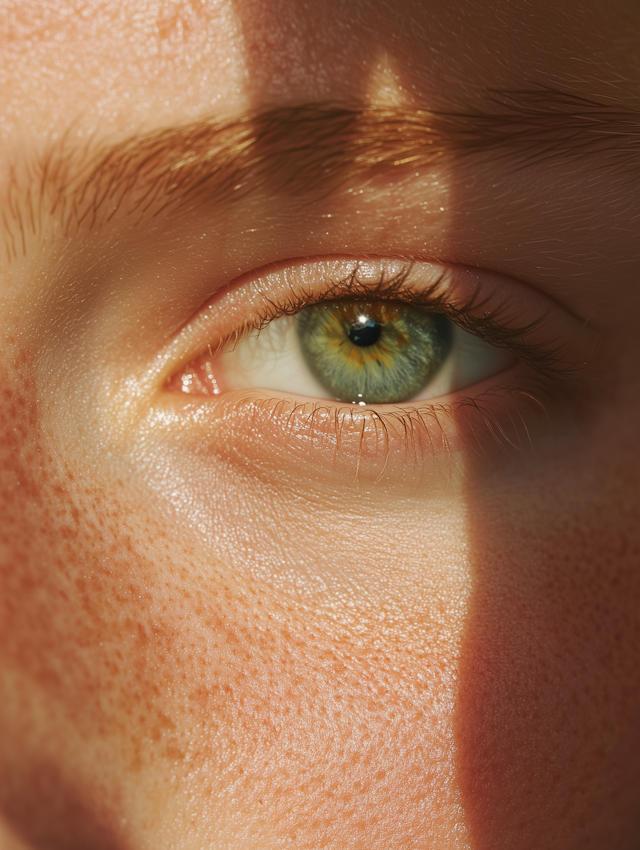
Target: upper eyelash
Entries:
(547, 360)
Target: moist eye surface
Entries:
(373, 352)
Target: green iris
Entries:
(369, 352)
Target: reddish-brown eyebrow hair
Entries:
(302, 150)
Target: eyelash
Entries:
(545, 360)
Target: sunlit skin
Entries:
(243, 621)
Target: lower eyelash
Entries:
(501, 422)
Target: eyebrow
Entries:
(301, 150)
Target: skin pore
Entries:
(252, 621)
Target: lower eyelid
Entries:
(502, 420)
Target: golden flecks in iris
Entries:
(350, 313)
(409, 350)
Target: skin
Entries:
(212, 634)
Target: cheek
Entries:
(332, 734)
(152, 690)
(77, 640)
(157, 686)
(550, 693)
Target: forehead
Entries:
(126, 65)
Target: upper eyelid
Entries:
(503, 311)
(394, 287)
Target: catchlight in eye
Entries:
(373, 352)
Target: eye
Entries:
(353, 351)
(380, 363)
(376, 332)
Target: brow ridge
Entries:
(300, 150)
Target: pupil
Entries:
(365, 333)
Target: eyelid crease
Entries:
(550, 340)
